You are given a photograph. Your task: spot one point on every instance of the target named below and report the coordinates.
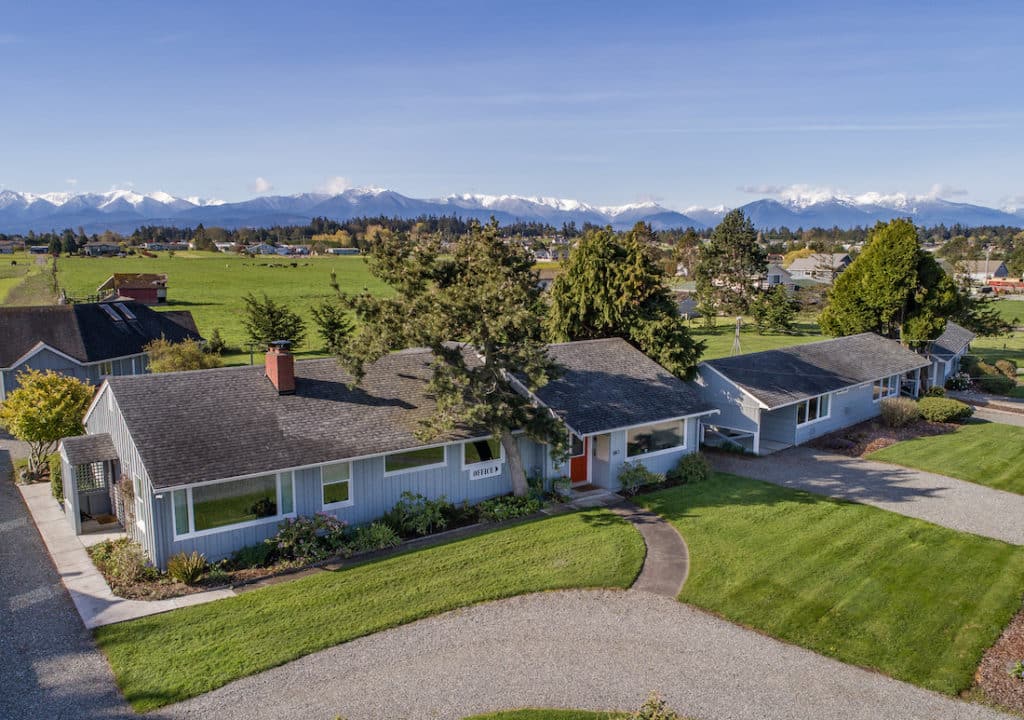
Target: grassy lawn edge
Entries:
(871, 588)
(167, 658)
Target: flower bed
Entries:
(867, 437)
(996, 673)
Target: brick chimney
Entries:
(280, 367)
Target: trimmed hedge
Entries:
(936, 409)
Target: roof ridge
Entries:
(790, 348)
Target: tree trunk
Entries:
(515, 464)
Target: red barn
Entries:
(146, 288)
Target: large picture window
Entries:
(886, 387)
(336, 484)
(222, 505)
(656, 438)
(420, 459)
(815, 408)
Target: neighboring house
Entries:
(165, 246)
(946, 351)
(39, 249)
(820, 267)
(981, 271)
(146, 288)
(546, 277)
(261, 249)
(100, 248)
(776, 275)
(252, 446)
(778, 398)
(343, 251)
(225, 247)
(687, 306)
(89, 340)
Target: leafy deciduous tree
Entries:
(484, 293)
(45, 407)
(165, 356)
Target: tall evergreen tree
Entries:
(730, 266)
(613, 288)
(893, 288)
(482, 292)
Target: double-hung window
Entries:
(336, 485)
(212, 507)
(812, 409)
(886, 387)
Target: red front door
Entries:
(578, 465)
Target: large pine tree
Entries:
(730, 266)
(612, 287)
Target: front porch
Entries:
(89, 469)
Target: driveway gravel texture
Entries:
(49, 667)
(956, 504)
(579, 649)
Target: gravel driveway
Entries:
(582, 649)
(49, 667)
(942, 500)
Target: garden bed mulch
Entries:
(993, 674)
(867, 437)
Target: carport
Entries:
(89, 469)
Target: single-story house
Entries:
(261, 249)
(775, 399)
(776, 275)
(165, 246)
(252, 445)
(89, 340)
(96, 248)
(343, 251)
(146, 288)
(946, 351)
(981, 271)
(820, 267)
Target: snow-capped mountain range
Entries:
(125, 210)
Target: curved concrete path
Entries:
(667, 562)
(956, 504)
(580, 649)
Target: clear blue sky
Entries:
(688, 103)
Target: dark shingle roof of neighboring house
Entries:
(85, 449)
(788, 375)
(212, 424)
(126, 281)
(953, 340)
(87, 332)
(609, 384)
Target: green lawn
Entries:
(719, 342)
(869, 587)
(11, 275)
(981, 452)
(170, 657)
(212, 285)
(1011, 310)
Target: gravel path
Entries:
(942, 500)
(582, 649)
(49, 667)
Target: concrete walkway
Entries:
(667, 563)
(93, 599)
(579, 649)
(942, 500)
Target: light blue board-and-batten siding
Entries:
(372, 494)
(46, 359)
(849, 407)
(106, 418)
(736, 409)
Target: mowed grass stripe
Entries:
(167, 658)
(919, 602)
(986, 453)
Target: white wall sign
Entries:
(484, 470)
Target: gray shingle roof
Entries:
(784, 376)
(954, 339)
(609, 384)
(85, 449)
(86, 331)
(211, 424)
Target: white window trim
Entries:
(663, 451)
(351, 489)
(893, 392)
(806, 404)
(469, 466)
(193, 533)
(418, 468)
(140, 506)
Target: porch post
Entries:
(757, 434)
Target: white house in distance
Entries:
(820, 267)
(981, 271)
